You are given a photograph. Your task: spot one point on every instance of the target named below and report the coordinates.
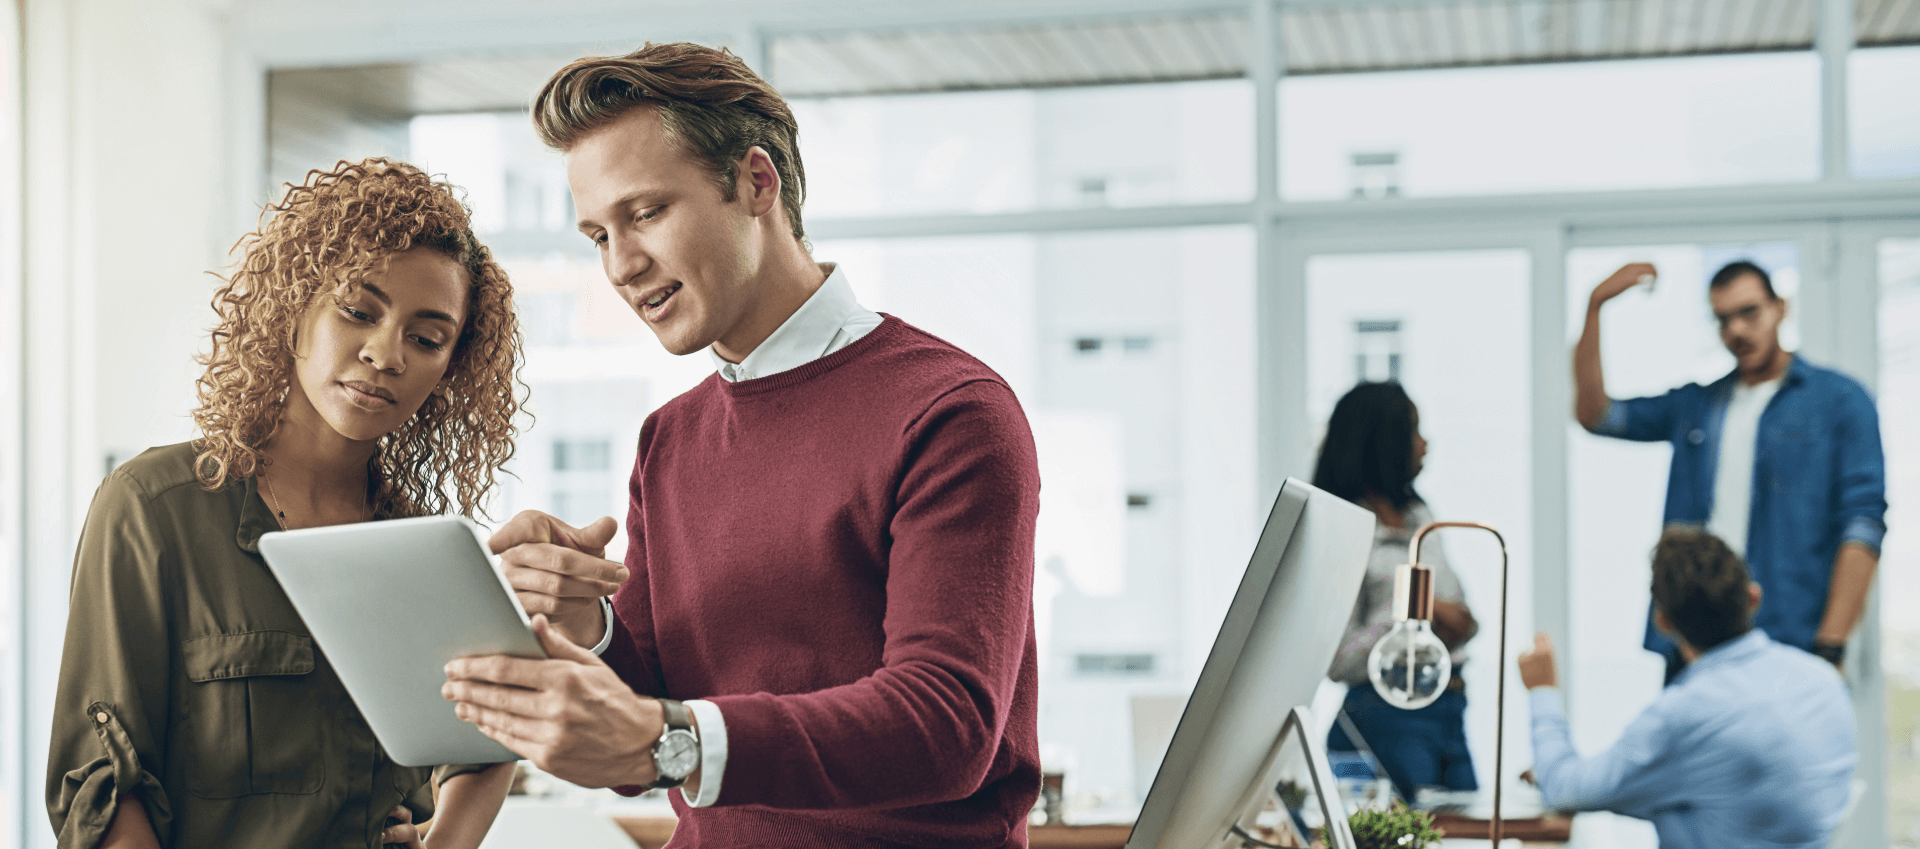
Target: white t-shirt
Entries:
(1733, 482)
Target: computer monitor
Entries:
(1274, 646)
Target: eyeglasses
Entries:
(1744, 315)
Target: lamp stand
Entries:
(1500, 700)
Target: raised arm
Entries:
(1625, 778)
(1590, 400)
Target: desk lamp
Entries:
(1410, 667)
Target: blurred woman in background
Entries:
(361, 368)
(1372, 452)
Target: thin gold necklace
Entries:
(281, 515)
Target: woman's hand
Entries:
(1453, 623)
(403, 833)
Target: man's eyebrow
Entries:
(432, 314)
(625, 200)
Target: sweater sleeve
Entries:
(928, 724)
(631, 651)
(111, 713)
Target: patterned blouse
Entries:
(1372, 613)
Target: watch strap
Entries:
(1832, 653)
(677, 714)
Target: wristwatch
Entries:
(1830, 652)
(677, 753)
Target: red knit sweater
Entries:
(840, 557)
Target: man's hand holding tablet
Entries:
(561, 571)
(570, 715)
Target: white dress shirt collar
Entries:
(807, 335)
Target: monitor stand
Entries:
(1332, 808)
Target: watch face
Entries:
(677, 753)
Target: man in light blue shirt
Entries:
(1752, 745)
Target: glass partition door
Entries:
(1452, 326)
(1897, 263)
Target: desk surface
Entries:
(1547, 829)
(653, 832)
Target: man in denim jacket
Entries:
(1781, 458)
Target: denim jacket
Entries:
(1819, 481)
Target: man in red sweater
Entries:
(823, 632)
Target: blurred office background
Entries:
(1180, 228)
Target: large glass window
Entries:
(1656, 123)
(1883, 113)
(593, 371)
(1899, 397)
(1451, 327)
(1012, 151)
(1132, 353)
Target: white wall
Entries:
(11, 453)
(115, 298)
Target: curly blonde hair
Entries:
(325, 237)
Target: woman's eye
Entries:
(355, 314)
(429, 344)
(650, 214)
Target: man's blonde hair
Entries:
(709, 102)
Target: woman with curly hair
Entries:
(362, 368)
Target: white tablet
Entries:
(390, 603)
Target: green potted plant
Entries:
(1398, 827)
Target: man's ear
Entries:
(1753, 596)
(760, 181)
(1660, 622)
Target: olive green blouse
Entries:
(188, 677)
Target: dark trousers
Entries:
(1418, 748)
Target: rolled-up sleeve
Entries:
(111, 710)
(1863, 472)
(1648, 419)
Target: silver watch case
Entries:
(676, 754)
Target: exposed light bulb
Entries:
(1409, 666)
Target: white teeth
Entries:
(657, 299)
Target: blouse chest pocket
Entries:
(255, 720)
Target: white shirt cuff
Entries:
(713, 752)
(606, 626)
